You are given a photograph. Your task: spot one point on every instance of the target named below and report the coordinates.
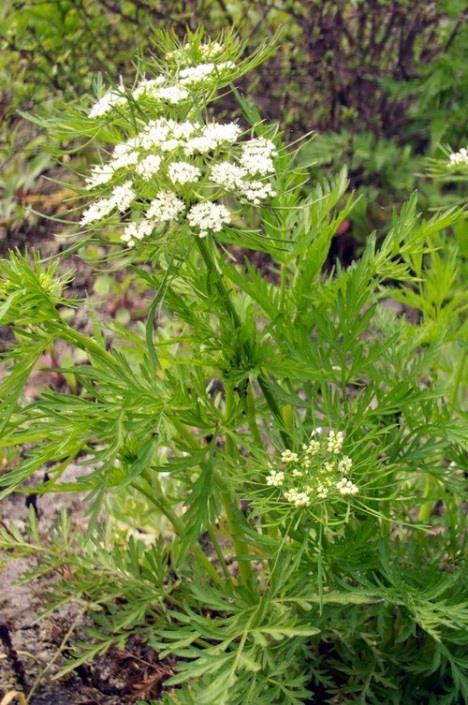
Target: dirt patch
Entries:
(32, 650)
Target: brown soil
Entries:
(29, 645)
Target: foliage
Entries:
(178, 423)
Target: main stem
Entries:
(234, 516)
(158, 499)
(226, 299)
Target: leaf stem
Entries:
(161, 503)
(234, 514)
(218, 281)
(458, 379)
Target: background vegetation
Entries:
(382, 82)
(367, 606)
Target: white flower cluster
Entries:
(162, 209)
(335, 442)
(236, 178)
(106, 103)
(275, 478)
(314, 473)
(100, 174)
(227, 174)
(121, 197)
(257, 156)
(147, 86)
(164, 136)
(165, 207)
(210, 50)
(153, 88)
(459, 158)
(289, 456)
(197, 74)
(208, 216)
(298, 499)
(183, 172)
(137, 231)
(186, 166)
(346, 487)
(148, 167)
(166, 88)
(154, 155)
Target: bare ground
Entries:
(32, 650)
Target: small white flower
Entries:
(100, 174)
(195, 74)
(210, 49)
(171, 94)
(120, 198)
(208, 216)
(124, 155)
(345, 487)
(108, 101)
(183, 55)
(169, 145)
(166, 206)
(148, 167)
(297, 473)
(97, 211)
(154, 133)
(345, 464)
(201, 144)
(225, 65)
(275, 478)
(256, 157)
(137, 231)
(256, 191)
(211, 136)
(298, 499)
(322, 492)
(183, 130)
(335, 441)
(289, 456)
(123, 195)
(227, 174)
(312, 448)
(459, 158)
(183, 172)
(222, 131)
(147, 86)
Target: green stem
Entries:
(219, 554)
(85, 343)
(234, 514)
(425, 510)
(274, 408)
(458, 379)
(184, 432)
(224, 295)
(251, 414)
(430, 484)
(161, 503)
(218, 281)
(207, 565)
